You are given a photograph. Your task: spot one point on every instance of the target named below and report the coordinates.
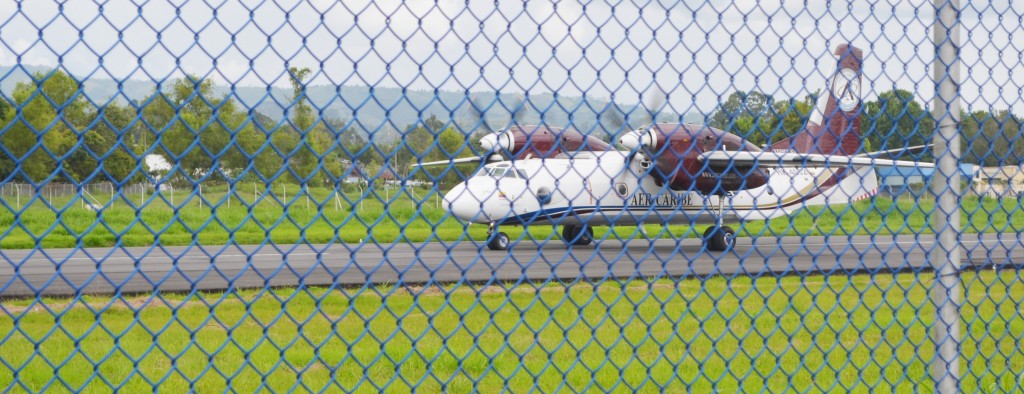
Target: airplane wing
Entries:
(771, 159)
(894, 153)
(462, 160)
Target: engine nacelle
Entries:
(675, 150)
(526, 142)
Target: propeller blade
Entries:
(518, 109)
(613, 115)
(655, 103)
(476, 112)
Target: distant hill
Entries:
(381, 110)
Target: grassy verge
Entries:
(837, 333)
(242, 217)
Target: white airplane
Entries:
(672, 173)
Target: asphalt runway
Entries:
(51, 272)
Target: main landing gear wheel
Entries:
(577, 235)
(719, 239)
(498, 241)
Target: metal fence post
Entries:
(945, 254)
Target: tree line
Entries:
(52, 132)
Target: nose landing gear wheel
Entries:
(498, 241)
(719, 239)
(577, 235)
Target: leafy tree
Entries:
(895, 120)
(5, 106)
(324, 145)
(789, 117)
(352, 149)
(157, 114)
(246, 139)
(739, 104)
(192, 140)
(450, 145)
(110, 142)
(202, 133)
(972, 146)
(314, 158)
(417, 145)
(120, 164)
(6, 162)
(748, 114)
(252, 143)
(992, 139)
(354, 142)
(302, 114)
(44, 116)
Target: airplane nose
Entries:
(461, 203)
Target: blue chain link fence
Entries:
(523, 196)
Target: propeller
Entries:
(493, 141)
(500, 142)
(654, 105)
(497, 141)
(476, 116)
(476, 113)
(646, 114)
(641, 136)
(518, 109)
(614, 116)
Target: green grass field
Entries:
(835, 333)
(393, 215)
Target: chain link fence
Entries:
(388, 196)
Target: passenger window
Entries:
(621, 189)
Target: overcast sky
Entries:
(698, 52)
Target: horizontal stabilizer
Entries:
(771, 159)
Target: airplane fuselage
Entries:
(615, 188)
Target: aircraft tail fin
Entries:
(834, 124)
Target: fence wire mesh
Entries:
(525, 196)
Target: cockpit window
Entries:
(501, 172)
(494, 172)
